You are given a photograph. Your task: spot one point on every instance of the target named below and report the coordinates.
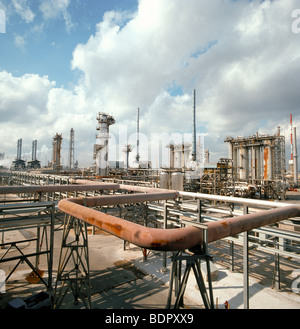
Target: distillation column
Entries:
(34, 149)
(57, 139)
(71, 150)
(295, 159)
(101, 148)
(19, 149)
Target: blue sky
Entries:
(63, 61)
(49, 42)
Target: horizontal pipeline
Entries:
(57, 188)
(167, 239)
(235, 200)
(108, 200)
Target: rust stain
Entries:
(115, 229)
(156, 244)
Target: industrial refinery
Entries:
(149, 159)
(186, 222)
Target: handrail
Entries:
(153, 238)
(167, 239)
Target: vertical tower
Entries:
(34, 148)
(19, 163)
(57, 139)
(101, 147)
(138, 136)
(71, 149)
(291, 162)
(19, 149)
(295, 159)
(194, 129)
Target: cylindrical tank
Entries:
(164, 180)
(234, 162)
(177, 181)
(244, 164)
(295, 158)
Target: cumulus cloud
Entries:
(240, 56)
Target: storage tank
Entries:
(164, 180)
(177, 181)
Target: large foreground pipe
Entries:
(167, 239)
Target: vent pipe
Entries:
(138, 136)
(194, 129)
(295, 159)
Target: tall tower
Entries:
(34, 149)
(19, 149)
(34, 163)
(19, 163)
(194, 129)
(295, 163)
(57, 139)
(101, 146)
(291, 162)
(71, 150)
(138, 136)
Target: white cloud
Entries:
(23, 10)
(53, 9)
(31, 107)
(20, 42)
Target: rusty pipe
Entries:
(144, 237)
(108, 200)
(172, 239)
(230, 226)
